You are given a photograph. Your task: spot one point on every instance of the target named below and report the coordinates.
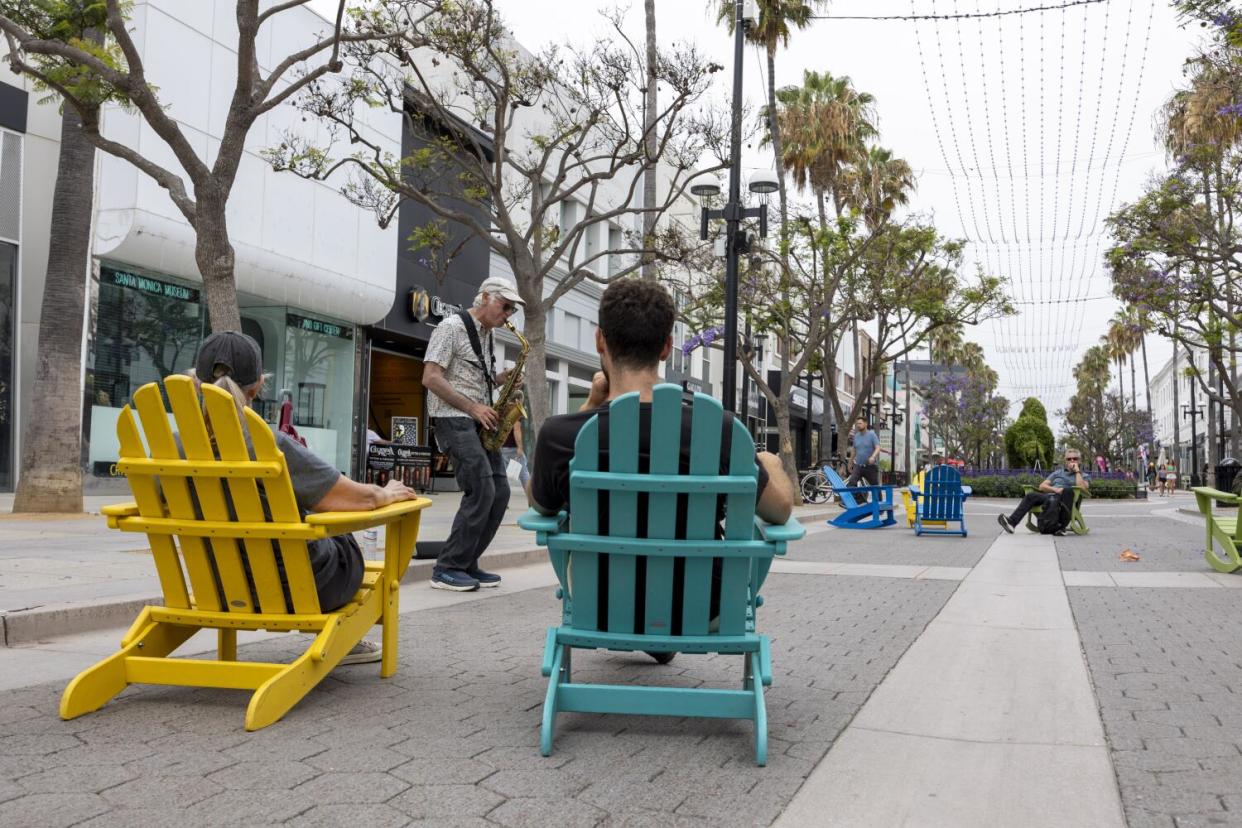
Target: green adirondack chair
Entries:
(1227, 531)
(609, 573)
(1077, 524)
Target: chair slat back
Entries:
(942, 494)
(838, 485)
(214, 481)
(679, 592)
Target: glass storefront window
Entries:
(149, 327)
(319, 374)
(8, 273)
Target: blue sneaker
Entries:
(485, 579)
(453, 579)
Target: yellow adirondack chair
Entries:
(910, 505)
(202, 561)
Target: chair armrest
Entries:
(120, 510)
(790, 530)
(883, 487)
(536, 522)
(914, 490)
(338, 523)
(1204, 497)
(967, 491)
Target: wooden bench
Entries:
(221, 571)
(939, 499)
(1226, 531)
(1077, 524)
(599, 565)
(876, 513)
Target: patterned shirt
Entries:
(450, 349)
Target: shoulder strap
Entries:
(472, 332)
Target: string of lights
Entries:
(955, 16)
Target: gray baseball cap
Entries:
(236, 353)
(502, 287)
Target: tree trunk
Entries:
(649, 140)
(51, 468)
(535, 329)
(1146, 373)
(213, 252)
(785, 434)
(774, 129)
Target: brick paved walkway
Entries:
(452, 739)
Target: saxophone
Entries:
(508, 405)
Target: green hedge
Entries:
(997, 486)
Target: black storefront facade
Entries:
(807, 432)
(391, 396)
(13, 110)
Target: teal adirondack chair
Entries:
(876, 513)
(676, 612)
(940, 501)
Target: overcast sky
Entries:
(1025, 130)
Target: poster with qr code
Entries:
(405, 431)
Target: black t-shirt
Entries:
(549, 482)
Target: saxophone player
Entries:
(460, 372)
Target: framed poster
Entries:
(405, 431)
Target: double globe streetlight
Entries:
(706, 186)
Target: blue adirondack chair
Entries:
(876, 513)
(940, 500)
(598, 566)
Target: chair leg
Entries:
(761, 717)
(548, 726)
(96, 685)
(227, 644)
(281, 692)
(390, 620)
(1230, 561)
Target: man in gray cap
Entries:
(459, 370)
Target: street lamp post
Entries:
(895, 419)
(1193, 411)
(733, 213)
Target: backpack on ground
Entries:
(1057, 512)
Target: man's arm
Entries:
(1046, 486)
(435, 382)
(775, 505)
(348, 496)
(1081, 481)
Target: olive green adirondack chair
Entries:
(601, 568)
(1226, 531)
(1077, 524)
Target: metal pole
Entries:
(746, 378)
(892, 448)
(1194, 434)
(733, 218)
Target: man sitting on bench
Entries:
(1059, 485)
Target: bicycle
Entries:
(816, 488)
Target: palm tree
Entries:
(875, 183)
(777, 20)
(650, 112)
(1093, 372)
(827, 123)
(51, 469)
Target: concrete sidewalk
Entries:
(988, 719)
(64, 574)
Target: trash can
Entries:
(1226, 471)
